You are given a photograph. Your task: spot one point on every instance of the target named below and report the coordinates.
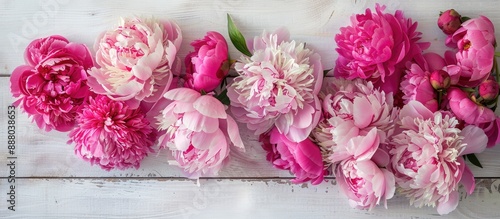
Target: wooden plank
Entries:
(46, 154)
(314, 22)
(158, 198)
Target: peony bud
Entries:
(449, 21)
(488, 89)
(440, 79)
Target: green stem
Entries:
(497, 54)
(440, 98)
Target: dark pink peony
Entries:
(303, 159)
(449, 21)
(112, 135)
(466, 109)
(53, 83)
(376, 47)
(208, 65)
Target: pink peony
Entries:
(475, 41)
(489, 88)
(53, 84)
(303, 159)
(426, 156)
(364, 183)
(376, 47)
(358, 117)
(278, 87)
(208, 65)
(416, 84)
(198, 132)
(492, 130)
(449, 21)
(112, 135)
(137, 60)
(466, 109)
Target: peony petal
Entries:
(363, 113)
(449, 205)
(209, 106)
(182, 94)
(234, 133)
(196, 122)
(205, 141)
(475, 138)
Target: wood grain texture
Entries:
(54, 183)
(153, 198)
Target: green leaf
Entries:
(473, 159)
(497, 54)
(464, 19)
(236, 37)
(223, 98)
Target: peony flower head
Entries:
(376, 47)
(449, 21)
(208, 65)
(466, 109)
(489, 88)
(137, 60)
(278, 87)
(476, 49)
(426, 156)
(358, 117)
(364, 183)
(303, 159)
(197, 131)
(52, 86)
(112, 135)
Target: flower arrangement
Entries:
(388, 117)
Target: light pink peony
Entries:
(376, 47)
(364, 183)
(466, 109)
(303, 159)
(358, 119)
(198, 132)
(112, 135)
(53, 84)
(475, 41)
(137, 60)
(208, 65)
(426, 156)
(278, 87)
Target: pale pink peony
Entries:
(278, 87)
(112, 135)
(303, 159)
(475, 41)
(364, 183)
(208, 65)
(52, 86)
(198, 132)
(426, 157)
(358, 117)
(376, 47)
(137, 60)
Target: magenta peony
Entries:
(197, 131)
(208, 65)
(376, 47)
(489, 88)
(137, 60)
(112, 135)
(303, 159)
(278, 87)
(364, 183)
(426, 156)
(52, 86)
(475, 41)
(466, 109)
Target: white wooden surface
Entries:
(51, 182)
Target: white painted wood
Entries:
(153, 198)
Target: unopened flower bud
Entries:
(488, 89)
(449, 21)
(440, 80)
